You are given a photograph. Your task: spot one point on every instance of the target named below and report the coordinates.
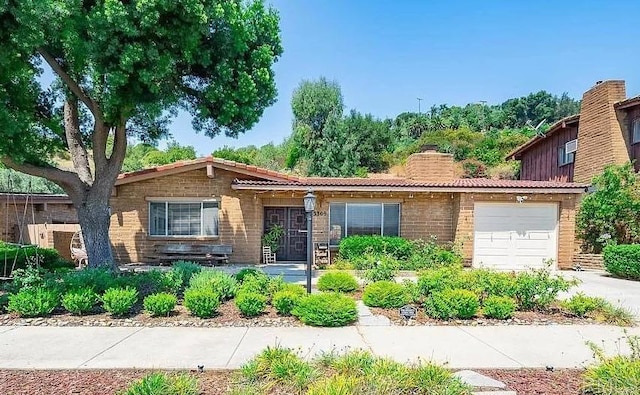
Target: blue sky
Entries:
(385, 54)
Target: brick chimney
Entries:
(430, 166)
(600, 137)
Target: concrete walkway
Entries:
(228, 348)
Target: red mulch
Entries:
(98, 382)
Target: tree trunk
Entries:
(94, 219)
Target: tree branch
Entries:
(66, 179)
(78, 150)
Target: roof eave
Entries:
(561, 124)
(415, 189)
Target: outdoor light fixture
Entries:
(309, 207)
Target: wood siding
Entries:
(634, 149)
(540, 162)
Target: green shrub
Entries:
(24, 256)
(160, 383)
(119, 301)
(79, 300)
(412, 290)
(386, 294)
(151, 282)
(247, 272)
(436, 280)
(280, 366)
(486, 282)
(201, 302)
(617, 375)
(452, 303)
(29, 277)
(384, 268)
(257, 283)
(97, 279)
(251, 304)
(580, 305)
(186, 270)
(353, 247)
(623, 260)
(160, 304)
(326, 309)
(223, 284)
(537, 288)
(336, 281)
(284, 301)
(615, 315)
(430, 255)
(611, 214)
(33, 302)
(337, 384)
(4, 301)
(500, 307)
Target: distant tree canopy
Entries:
(143, 155)
(14, 181)
(326, 142)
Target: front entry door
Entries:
(293, 246)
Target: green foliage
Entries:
(430, 281)
(144, 155)
(250, 304)
(201, 302)
(119, 301)
(160, 383)
(326, 309)
(452, 303)
(580, 305)
(473, 168)
(500, 307)
(353, 247)
(337, 281)
(221, 283)
(623, 260)
(260, 283)
(247, 272)
(611, 214)
(160, 304)
(186, 270)
(30, 277)
(385, 294)
(280, 370)
(98, 279)
(269, 156)
(384, 268)
(412, 290)
(46, 258)
(486, 282)
(272, 237)
(33, 302)
(615, 315)
(4, 301)
(617, 375)
(152, 281)
(284, 301)
(13, 181)
(429, 255)
(537, 289)
(79, 300)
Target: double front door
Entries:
(293, 246)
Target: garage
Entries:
(515, 236)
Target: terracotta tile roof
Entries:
(630, 102)
(536, 139)
(185, 165)
(470, 183)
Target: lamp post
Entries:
(309, 207)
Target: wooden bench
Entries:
(209, 253)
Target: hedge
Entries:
(355, 246)
(623, 260)
(50, 259)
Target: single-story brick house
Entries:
(500, 223)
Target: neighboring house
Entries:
(577, 148)
(504, 224)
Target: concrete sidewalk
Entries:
(561, 346)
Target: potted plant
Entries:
(272, 237)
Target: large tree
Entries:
(121, 69)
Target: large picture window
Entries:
(348, 219)
(183, 218)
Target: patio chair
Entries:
(78, 250)
(268, 256)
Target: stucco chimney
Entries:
(430, 166)
(600, 137)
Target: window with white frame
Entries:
(567, 153)
(635, 131)
(183, 218)
(348, 219)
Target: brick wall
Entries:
(463, 221)
(588, 261)
(240, 217)
(430, 166)
(601, 140)
(50, 213)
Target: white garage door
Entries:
(514, 236)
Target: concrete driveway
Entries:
(625, 293)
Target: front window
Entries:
(183, 218)
(635, 131)
(349, 219)
(567, 153)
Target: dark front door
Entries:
(293, 246)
